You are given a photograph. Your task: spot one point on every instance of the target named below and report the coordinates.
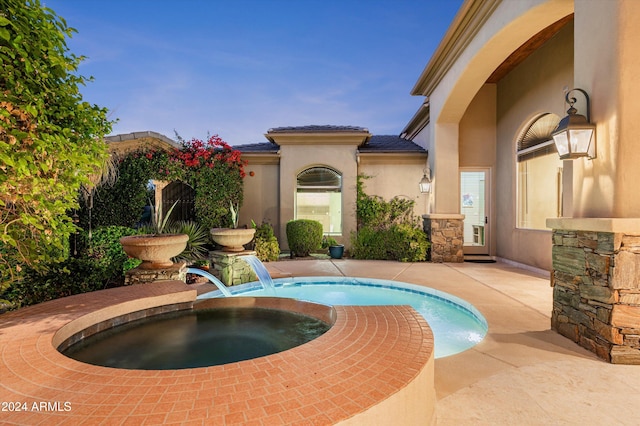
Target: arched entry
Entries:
(185, 195)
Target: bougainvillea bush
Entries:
(212, 167)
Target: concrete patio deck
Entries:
(522, 372)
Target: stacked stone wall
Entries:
(446, 236)
(230, 269)
(596, 292)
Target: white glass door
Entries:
(474, 205)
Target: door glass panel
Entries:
(472, 206)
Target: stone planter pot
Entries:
(155, 251)
(232, 239)
(336, 252)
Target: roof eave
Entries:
(467, 22)
(328, 138)
(408, 157)
(419, 121)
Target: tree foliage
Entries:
(51, 141)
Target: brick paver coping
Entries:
(374, 363)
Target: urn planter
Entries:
(232, 239)
(155, 250)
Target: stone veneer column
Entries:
(596, 285)
(231, 270)
(177, 272)
(446, 234)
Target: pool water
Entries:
(456, 324)
(197, 338)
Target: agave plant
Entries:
(198, 239)
(234, 214)
(158, 221)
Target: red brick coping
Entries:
(375, 363)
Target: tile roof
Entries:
(389, 143)
(260, 147)
(376, 144)
(317, 128)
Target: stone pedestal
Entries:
(596, 285)
(231, 270)
(176, 272)
(446, 234)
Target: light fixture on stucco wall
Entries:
(425, 182)
(575, 136)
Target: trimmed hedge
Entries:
(304, 236)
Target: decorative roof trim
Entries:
(324, 138)
(140, 135)
(314, 128)
(466, 24)
(261, 158)
(412, 157)
(419, 121)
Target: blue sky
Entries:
(238, 68)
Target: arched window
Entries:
(539, 174)
(319, 197)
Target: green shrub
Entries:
(387, 230)
(304, 236)
(328, 242)
(105, 251)
(73, 276)
(266, 244)
(401, 242)
(100, 263)
(121, 202)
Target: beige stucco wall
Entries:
(534, 87)
(607, 60)
(395, 175)
(261, 200)
(508, 26)
(296, 158)
(458, 93)
(477, 147)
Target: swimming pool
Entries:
(456, 324)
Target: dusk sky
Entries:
(238, 68)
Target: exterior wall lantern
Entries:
(575, 136)
(425, 182)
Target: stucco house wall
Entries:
(607, 60)
(295, 159)
(477, 148)
(392, 176)
(395, 166)
(532, 88)
(261, 192)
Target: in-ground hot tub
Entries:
(209, 334)
(374, 364)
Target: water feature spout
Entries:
(223, 288)
(261, 272)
